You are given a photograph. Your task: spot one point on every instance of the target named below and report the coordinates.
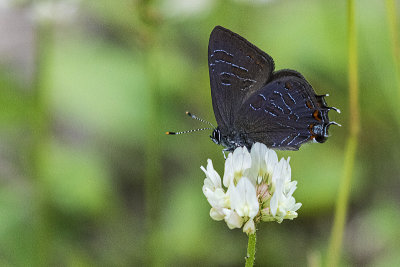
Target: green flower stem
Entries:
(335, 244)
(251, 250)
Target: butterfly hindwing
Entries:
(283, 114)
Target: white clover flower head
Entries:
(255, 187)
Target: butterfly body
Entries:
(253, 103)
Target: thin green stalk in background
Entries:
(251, 250)
(335, 245)
(394, 38)
(40, 130)
(152, 179)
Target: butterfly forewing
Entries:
(237, 70)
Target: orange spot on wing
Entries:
(317, 115)
(310, 128)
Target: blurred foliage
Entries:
(118, 74)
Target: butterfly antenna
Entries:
(189, 131)
(334, 123)
(335, 109)
(197, 118)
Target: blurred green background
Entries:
(88, 89)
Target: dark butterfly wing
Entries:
(284, 114)
(237, 70)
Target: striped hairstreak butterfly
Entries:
(254, 103)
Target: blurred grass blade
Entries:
(40, 130)
(335, 245)
(394, 38)
(153, 169)
(152, 179)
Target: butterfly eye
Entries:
(320, 139)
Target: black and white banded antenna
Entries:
(194, 130)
